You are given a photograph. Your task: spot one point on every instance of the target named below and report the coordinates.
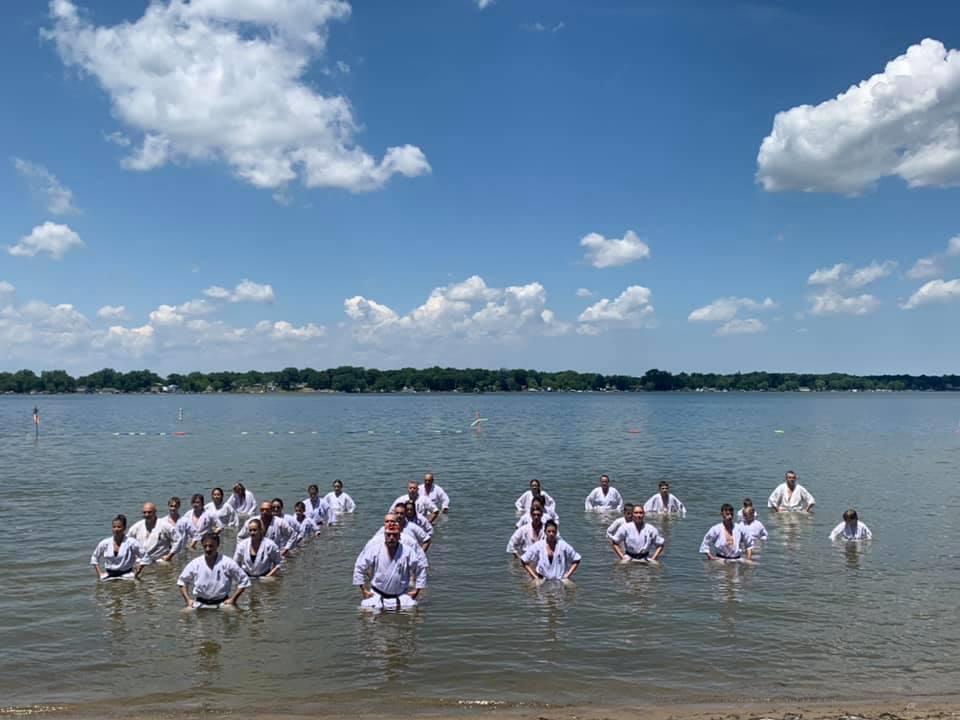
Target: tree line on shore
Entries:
(436, 379)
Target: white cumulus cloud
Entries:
(6, 289)
(632, 308)
(935, 291)
(933, 265)
(902, 122)
(830, 302)
(112, 312)
(584, 293)
(613, 252)
(224, 81)
(747, 326)
(842, 274)
(282, 330)
(50, 239)
(724, 309)
(245, 291)
(57, 197)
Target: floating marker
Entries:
(313, 432)
(633, 431)
(180, 433)
(270, 432)
(244, 433)
(291, 432)
(115, 434)
(779, 432)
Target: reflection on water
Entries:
(388, 642)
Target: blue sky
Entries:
(608, 186)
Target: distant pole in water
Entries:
(180, 414)
(36, 420)
(476, 423)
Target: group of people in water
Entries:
(391, 569)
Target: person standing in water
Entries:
(790, 496)
(215, 580)
(121, 556)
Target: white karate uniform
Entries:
(655, 505)
(523, 538)
(279, 530)
(715, 542)
(638, 544)
(616, 525)
(389, 576)
(127, 556)
(193, 528)
(783, 499)
(225, 514)
(436, 495)
(421, 522)
(321, 512)
(755, 530)
(424, 504)
(305, 528)
(268, 557)
(842, 532)
(341, 503)
(157, 543)
(213, 583)
(526, 518)
(523, 502)
(247, 506)
(596, 500)
(564, 556)
(408, 536)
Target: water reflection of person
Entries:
(388, 642)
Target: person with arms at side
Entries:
(257, 555)
(434, 493)
(544, 512)
(301, 522)
(425, 506)
(158, 539)
(339, 500)
(790, 496)
(389, 566)
(319, 510)
(275, 528)
(663, 503)
(751, 526)
(551, 558)
(214, 580)
(243, 501)
(527, 534)
(197, 523)
(410, 533)
(524, 502)
(851, 528)
(620, 521)
(221, 509)
(727, 541)
(413, 517)
(121, 556)
(604, 498)
(640, 540)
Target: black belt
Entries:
(119, 573)
(637, 556)
(381, 593)
(729, 557)
(212, 601)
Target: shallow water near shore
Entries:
(811, 620)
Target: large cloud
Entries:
(245, 291)
(726, 310)
(935, 291)
(50, 239)
(613, 252)
(903, 122)
(468, 309)
(830, 302)
(225, 80)
(631, 309)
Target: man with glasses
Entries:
(390, 566)
(215, 580)
(791, 496)
(158, 539)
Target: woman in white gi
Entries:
(243, 501)
(726, 541)
(524, 502)
(158, 539)
(121, 556)
(319, 510)
(414, 517)
(197, 523)
(751, 526)
(640, 541)
(527, 535)
(546, 513)
(851, 528)
(620, 521)
(222, 510)
(257, 555)
(663, 503)
(390, 566)
(339, 500)
(790, 496)
(604, 498)
(551, 558)
(304, 525)
(215, 580)
(434, 493)
(275, 528)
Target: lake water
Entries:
(811, 620)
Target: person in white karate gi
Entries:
(389, 566)
(158, 539)
(552, 558)
(221, 509)
(851, 528)
(546, 513)
(620, 521)
(663, 503)
(524, 502)
(319, 510)
(243, 501)
(640, 540)
(751, 526)
(120, 556)
(302, 522)
(339, 500)
(410, 528)
(604, 498)
(726, 540)
(274, 527)
(425, 505)
(790, 496)
(434, 493)
(413, 516)
(197, 523)
(257, 555)
(214, 579)
(527, 534)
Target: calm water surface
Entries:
(810, 620)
